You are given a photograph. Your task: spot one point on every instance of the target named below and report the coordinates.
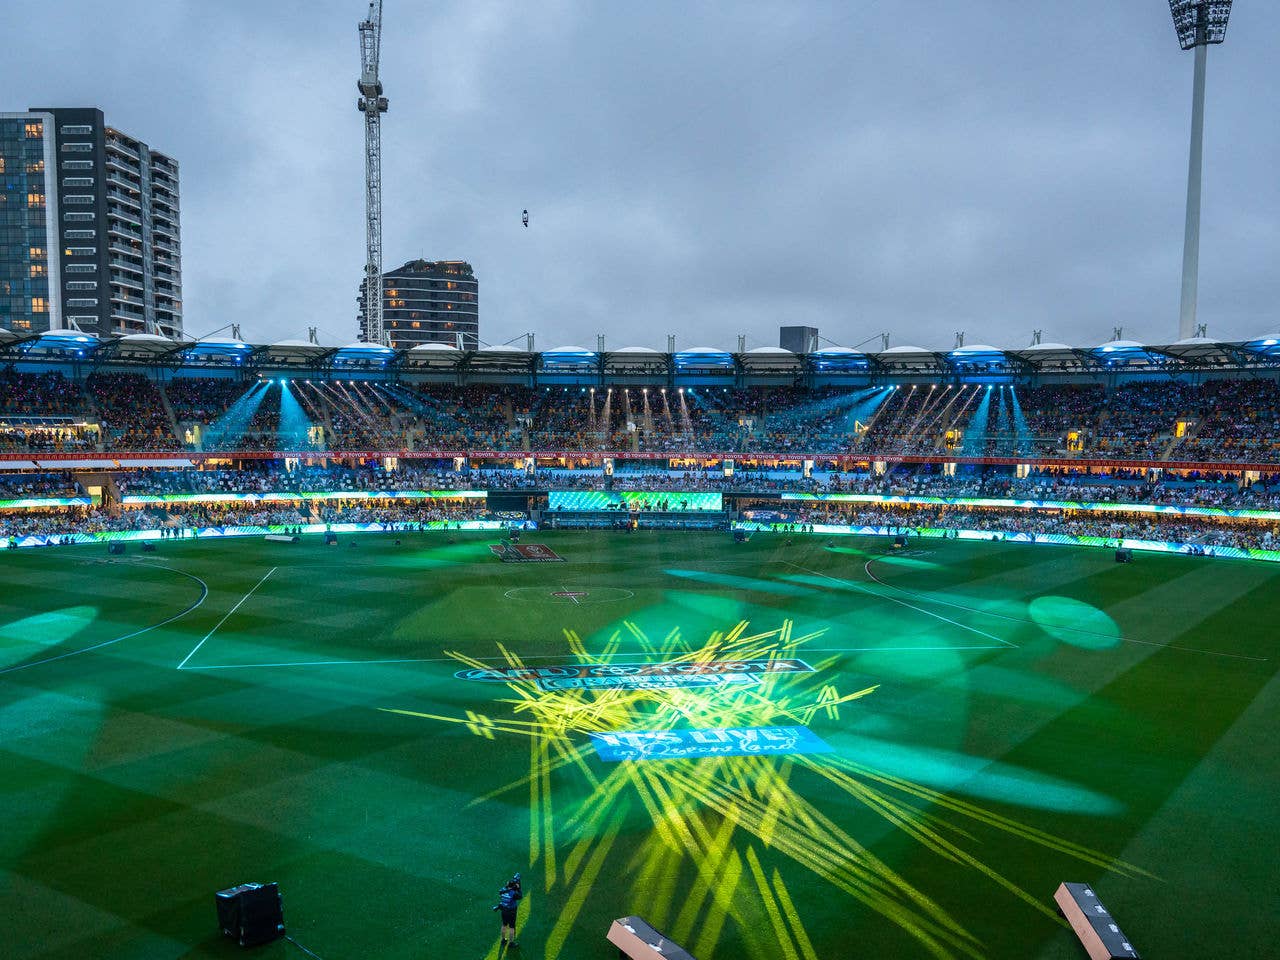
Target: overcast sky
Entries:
(915, 167)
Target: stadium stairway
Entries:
(94, 415)
(168, 412)
(1187, 437)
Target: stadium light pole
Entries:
(1198, 23)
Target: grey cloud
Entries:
(701, 169)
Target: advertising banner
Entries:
(675, 501)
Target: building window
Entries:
(39, 305)
(35, 166)
(81, 251)
(83, 302)
(37, 253)
(21, 324)
(83, 318)
(35, 200)
(78, 199)
(75, 129)
(1, 163)
(82, 285)
(80, 268)
(78, 217)
(77, 148)
(72, 165)
(77, 182)
(34, 131)
(36, 270)
(81, 234)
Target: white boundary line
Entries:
(204, 592)
(224, 618)
(928, 613)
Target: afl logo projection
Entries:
(577, 676)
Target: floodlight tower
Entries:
(373, 105)
(1199, 23)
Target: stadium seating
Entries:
(1165, 421)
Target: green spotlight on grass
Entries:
(20, 639)
(1075, 622)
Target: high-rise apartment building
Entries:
(428, 301)
(89, 229)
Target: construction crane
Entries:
(373, 105)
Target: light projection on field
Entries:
(717, 843)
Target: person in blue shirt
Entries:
(509, 898)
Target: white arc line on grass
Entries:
(912, 606)
(224, 618)
(204, 592)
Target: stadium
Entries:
(320, 616)
(783, 652)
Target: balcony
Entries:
(127, 183)
(128, 216)
(119, 146)
(123, 197)
(118, 163)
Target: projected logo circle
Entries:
(569, 593)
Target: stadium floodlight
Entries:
(1198, 23)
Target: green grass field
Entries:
(1003, 718)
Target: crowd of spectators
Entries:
(1152, 420)
(131, 412)
(40, 395)
(1000, 522)
(90, 520)
(1121, 486)
(14, 486)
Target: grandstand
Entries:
(531, 562)
(1124, 429)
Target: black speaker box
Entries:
(900, 540)
(330, 539)
(251, 913)
(1124, 556)
(148, 548)
(115, 548)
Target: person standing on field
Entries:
(509, 898)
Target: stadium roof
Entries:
(978, 360)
